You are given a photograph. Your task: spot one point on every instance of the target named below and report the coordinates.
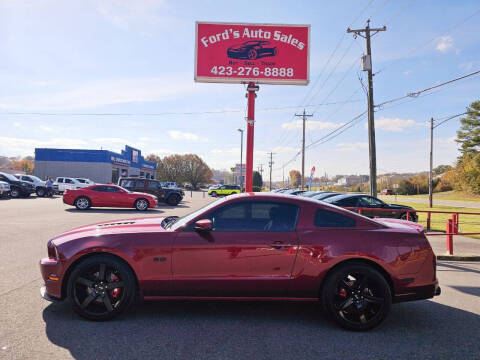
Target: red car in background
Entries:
(253, 246)
(108, 196)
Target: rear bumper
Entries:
(419, 293)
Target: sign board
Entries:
(259, 53)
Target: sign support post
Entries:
(251, 90)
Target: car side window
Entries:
(349, 202)
(100, 188)
(139, 183)
(60, 180)
(152, 185)
(112, 189)
(326, 218)
(255, 216)
(69, 181)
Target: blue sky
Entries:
(136, 57)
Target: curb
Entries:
(459, 257)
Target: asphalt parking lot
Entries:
(31, 328)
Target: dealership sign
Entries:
(259, 53)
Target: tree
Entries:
(172, 168)
(257, 179)
(295, 178)
(23, 165)
(441, 169)
(196, 171)
(469, 134)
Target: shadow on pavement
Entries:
(223, 330)
(114, 211)
(472, 290)
(455, 267)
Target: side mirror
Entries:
(203, 225)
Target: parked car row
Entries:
(367, 205)
(16, 187)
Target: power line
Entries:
(417, 93)
(208, 112)
(449, 118)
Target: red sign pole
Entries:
(250, 130)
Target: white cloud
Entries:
(231, 151)
(445, 44)
(25, 147)
(180, 135)
(111, 141)
(394, 124)
(103, 92)
(284, 149)
(310, 125)
(351, 147)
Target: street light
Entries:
(241, 157)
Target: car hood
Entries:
(400, 224)
(135, 225)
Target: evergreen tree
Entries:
(257, 179)
(469, 134)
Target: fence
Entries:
(451, 225)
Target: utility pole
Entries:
(270, 164)
(304, 117)
(430, 178)
(260, 169)
(241, 158)
(367, 66)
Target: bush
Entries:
(256, 188)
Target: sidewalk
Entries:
(462, 245)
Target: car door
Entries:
(98, 195)
(250, 251)
(117, 197)
(61, 185)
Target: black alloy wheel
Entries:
(101, 287)
(252, 54)
(357, 296)
(173, 200)
(14, 193)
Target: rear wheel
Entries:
(101, 287)
(82, 203)
(252, 54)
(173, 200)
(356, 296)
(214, 194)
(141, 204)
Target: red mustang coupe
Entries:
(245, 247)
(108, 196)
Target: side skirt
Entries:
(226, 298)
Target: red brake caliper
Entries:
(115, 292)
(342, 292)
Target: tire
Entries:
(141, 204)
(41, 192)
(214, 194)
(82, 203)
(403, 216)
(173, 200)
(101, 288)
(14, 193)
(356, 296)
(252, 54)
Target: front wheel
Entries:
(41, 192)
(356, 296)
(214, 194)
(141, 204)
(173, 200)
(14, 193)
(101, 287)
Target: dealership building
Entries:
(100, 166)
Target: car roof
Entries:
(344, 196)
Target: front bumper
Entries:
(51, 270)
(43, 294)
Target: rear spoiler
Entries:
(400, 224)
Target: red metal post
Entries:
(449, 236)
(455, 223)
(408, 215)
(250, 130)
(429, 214)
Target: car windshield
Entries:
(83, 181)
(184, 220)
(35, 178)
(10, 177)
